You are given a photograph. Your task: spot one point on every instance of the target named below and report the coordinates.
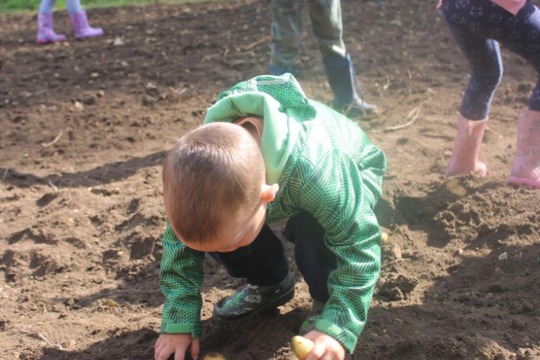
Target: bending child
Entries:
(267, 153)
(77, 16)
(478, 26)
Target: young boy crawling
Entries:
(267, 153)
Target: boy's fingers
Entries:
(195, 349)
(316, 353)
(158, 348)
(179, 355)
(158, 343)
(165, 352)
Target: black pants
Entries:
(263, 262)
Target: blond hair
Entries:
(211, 177)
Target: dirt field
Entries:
(84, 126)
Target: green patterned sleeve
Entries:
(340, 195)
(180, 279)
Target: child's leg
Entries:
(313, 258)
(46, 6)
(269, 282)
(327, 26)
(470, 24)
(79, 21)
(261, 263)
(73, 6)
(468, 21)
(286, 28)
(464, 159)
(46, 32)
(526, 166)
(522, 36)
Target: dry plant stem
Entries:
(256, 43)
(42, 337)
(178, 91)
(403, 97)
(411, 117)
(54, 141)
(397, 104)
(52, 185)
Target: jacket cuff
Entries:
(194, 329)
(344, 336)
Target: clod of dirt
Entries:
(455, 188)
(518, 324)
(397, 288)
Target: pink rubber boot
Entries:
(464, 159)
(526, 167)
(46, 33)
(82, 28)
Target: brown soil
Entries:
(83, 129)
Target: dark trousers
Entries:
(263, 262)
(478, 26)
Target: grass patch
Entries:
(33, 5)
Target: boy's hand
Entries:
(167, 344)
(326, 347)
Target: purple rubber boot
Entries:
(82, 28)
(46, 33)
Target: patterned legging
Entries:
(478, 26)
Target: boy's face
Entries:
(236, 235)
(239, 234)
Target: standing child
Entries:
(77, 16)
(267, 153)
(325, 16)
(478, 26)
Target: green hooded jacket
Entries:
(324, 165)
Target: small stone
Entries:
(78, 106)
(118, 41)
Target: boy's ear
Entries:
(268, 192)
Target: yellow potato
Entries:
(214, 356)
(301, 346)
(384, 237)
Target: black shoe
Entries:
(252, 299)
